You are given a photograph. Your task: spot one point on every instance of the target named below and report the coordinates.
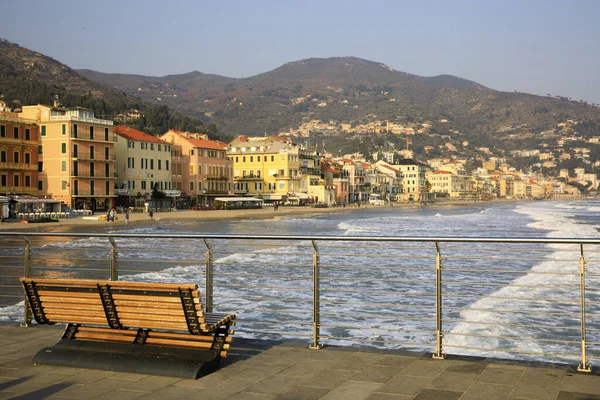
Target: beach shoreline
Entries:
(142, 219)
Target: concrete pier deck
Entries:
(261, 370)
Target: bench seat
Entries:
(117, 325)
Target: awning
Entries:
(35, 201)
(271, 196)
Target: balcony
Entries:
(216, 177)
(89, 193)
(99, 138)
(75, 118)
(92, 157)
(96, 175)
(248, 178)
(18, 166)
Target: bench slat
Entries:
(115, 284)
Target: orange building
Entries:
(18, 155)
(206, 172)
(77, 156)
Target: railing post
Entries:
(438, 305)
(26, 273)
(584, 366)
(114, 254)
(316, 302)
(209, 277)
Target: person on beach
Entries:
(127, 216)
(111, 215)
(151, 214)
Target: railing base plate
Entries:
(584, 368)
(440, 357)
(317, 347)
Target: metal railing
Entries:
(529, 298)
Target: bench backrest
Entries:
(117, 304)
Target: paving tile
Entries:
(487, 391)
(41, 392)
(580, 383)
(405, 384)
(275, 385)
(357, 361)
(375, 373)
(433, 394)
(538, 383)
(256, 374)
(396, 361)
(387, 396)
(304, 393)
(426, 367)
(576, 396)
(352, 391)
(121, 394)
(224, 390)
(466, 367)
(306, 369)
(149, 384)
(92, 389)
(329, 378)
(500, 375)
(252, 396)
(175, 393)
(452, 381)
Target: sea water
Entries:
(361, 292)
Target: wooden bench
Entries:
(148, 328)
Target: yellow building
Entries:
(449, 183)
(206, 172)
(266, 166)
(143, 162)
(413, 182)
(77, 155)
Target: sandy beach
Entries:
(136, 219)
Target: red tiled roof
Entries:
(442, 173)
(132, 134)
(206, 144)
(392, 168)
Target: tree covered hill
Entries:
(28, 77)
(351, 90)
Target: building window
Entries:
(151, 146)
(143, 185)
(2, 131)
(167, 165)
(159, 164)
(27, 181)
(16, 132)
(64, 129)
(63, 165)
(151, 164)
(107, 188)
(27, 158)
(40, 185)
(272, 158)
(92, 169)
(40, 166)
(16, 181)
(191, 186)
(63, 148)
(63, 185)
(74, 130)
(4, 180)
(92, 187)
(107, 170)
(106, 152)
(43, 130)
(27, 134)
(91, 132)
(92, 152)
(106, 134)
(40, 149)
(3, 156)
(16, 157)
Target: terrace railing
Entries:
(527, 298)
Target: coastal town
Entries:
(64, 160)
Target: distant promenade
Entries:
(263, 370)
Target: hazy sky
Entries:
(539, 47)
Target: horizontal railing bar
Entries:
(458, 283)
(369, 328)
(528, 272)
(378, 293)
(262, 276)
(432, 269)
(265, 287)
(362, 315)
(279, 323)
(373, 304)
(490, 259)
(37, 259)
(248, 263)
(267, 299)
(565, 355)
(431, 239)
(140, 260)
(512, 298)
(493, 310)
(68, 268)
(274, 311)
(495, 249)
(415, 344)
(510, 338)
(446, 321)
(335, 278)
(279, 333)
